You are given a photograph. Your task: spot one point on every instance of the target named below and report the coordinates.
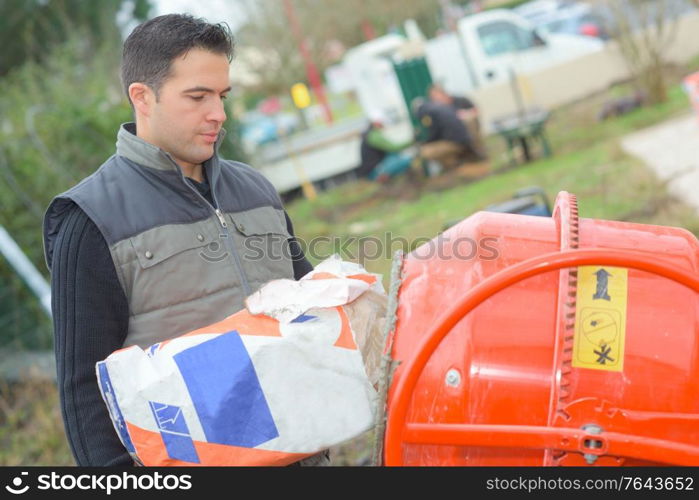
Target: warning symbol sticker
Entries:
(600, 318)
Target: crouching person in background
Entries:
(446, 143)
(381, 158)
(466, 111)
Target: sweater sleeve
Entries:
(90, 317)
(378, 140)
(301, 264)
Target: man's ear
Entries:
(142, 98)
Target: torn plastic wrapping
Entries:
(333, 282)
(289, 376)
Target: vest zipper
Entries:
(231, 247)
(220, 218)
(227, 236)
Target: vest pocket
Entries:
(178, 263)
(258, 221)
(262, 239)
(159, 244)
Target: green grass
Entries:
(31, 430)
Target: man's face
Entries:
(189, 113)
(437, 95)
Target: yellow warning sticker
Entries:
(600, 318)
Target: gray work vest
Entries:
(183, 263)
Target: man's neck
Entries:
(189, 170)
(193, 172)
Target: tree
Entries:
(29, 28)
(268, 48)
(645, 30)
(59, 109)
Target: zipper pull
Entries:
(219, 214)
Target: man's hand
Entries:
(467, 114)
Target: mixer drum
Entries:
(586, 365)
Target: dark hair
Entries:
(152, 46)
(435, 86)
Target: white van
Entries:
(491, 44)
(485, 49)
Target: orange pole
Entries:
(558, 438)
(311, 70)
(368, 30)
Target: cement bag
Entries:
(287, 377)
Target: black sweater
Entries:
(91, 319)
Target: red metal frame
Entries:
(399, 432)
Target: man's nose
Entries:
(218, 112)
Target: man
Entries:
(463, 105)
(165, 236)
(467, 112)
(381, 158)
(446, 140)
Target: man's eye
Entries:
(197, 97)
(224, 97)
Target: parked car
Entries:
(259, 129)
(597, 20)
(577, 19)
(538, 10)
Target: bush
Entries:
(58, 125)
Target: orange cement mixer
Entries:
(536, 341)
